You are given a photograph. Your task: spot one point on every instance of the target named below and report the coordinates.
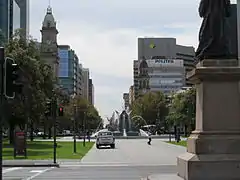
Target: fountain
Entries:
(124, 133)
(142, 132)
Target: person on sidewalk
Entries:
(149, 138)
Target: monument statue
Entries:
(213, 41)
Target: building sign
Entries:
(20, 144)
(164, 61)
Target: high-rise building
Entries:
(14, 14)
(126, 100)
(166, 48)
(135, 77)
(24, 16)
(90, 92)
(49, 46)
(79, 79)
(69, 70)
(85, 86)
(157, 74)
(131, 95)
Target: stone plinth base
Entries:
(213, 149)
(209, 166)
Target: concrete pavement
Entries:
(131, 160)
(136, 152)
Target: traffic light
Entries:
(11, 84)
(48, 112)
(60, 111)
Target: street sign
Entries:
(20, 144)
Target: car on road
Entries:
(105, 139)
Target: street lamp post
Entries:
(84, 129)
(74, 128)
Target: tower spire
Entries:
(49, 9)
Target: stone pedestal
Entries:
(213, 149)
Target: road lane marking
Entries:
(11, 169)
(114, 165)
(39, 173)
(36, 171)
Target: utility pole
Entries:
(54, 117)
(2, 60)
(74, 127)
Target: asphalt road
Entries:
(131, 160)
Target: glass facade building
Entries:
(4, 20)
(69, 70)
(14, 14)
(63, 63)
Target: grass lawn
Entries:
(39, 150)
(181, 143)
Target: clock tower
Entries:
(49, 47)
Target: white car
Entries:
(105, 139)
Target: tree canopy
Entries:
(29, 106)
(83, 109)
(152, 107)
(36, 77)
(182, 109)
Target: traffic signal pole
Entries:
(54, 116)
(2, 60)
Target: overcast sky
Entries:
(104, 34)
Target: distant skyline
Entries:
(104, 36)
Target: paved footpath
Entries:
(131, 160)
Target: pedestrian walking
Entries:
(149, 139)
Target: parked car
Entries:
(105, 139)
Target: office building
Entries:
(135, 77)
(85, 85)
(166, 48)
(69, 70)
(90, 92)
(131, 95)
(126, 100)
(157, 74)
(79, 79)
(14, 14)
(24, 20)
(166, 75)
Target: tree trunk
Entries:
(185, 130)
(44, 130)
(49, 132)
(11, 134)
(31, 130)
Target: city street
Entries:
(131, 160)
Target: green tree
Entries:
(29, 106)
(152, 107)
(182, 110)
(84, 110)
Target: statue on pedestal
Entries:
(213, 41)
